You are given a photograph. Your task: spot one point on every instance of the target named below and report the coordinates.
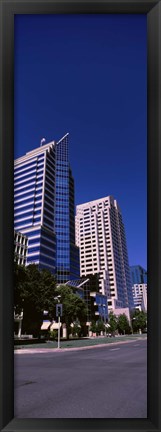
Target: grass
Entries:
(81, 342)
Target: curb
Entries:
(53, 350)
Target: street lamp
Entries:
(58, 314)
(104, 315)
(132, 324)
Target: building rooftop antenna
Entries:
(43, 141)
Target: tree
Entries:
(36, 291)
(123, 324)
(112, 320)
(20, 276)
(97, 327)
(74, 308)
(93, 327)
(76, 330)
(33, 292)
(100, 326)
(139, 320)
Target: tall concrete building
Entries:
(44, 208)
(100, 235)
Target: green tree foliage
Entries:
(20, 276)
(100, 327)
(76, 330)
(34, 293)
(54, 334)
(123, 324)
(93, 327)
(97, 327)
(74, 308)
(139, 320)
(112, 320)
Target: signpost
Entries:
(59, 312)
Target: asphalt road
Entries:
(108, 382)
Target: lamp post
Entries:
(132, 324)
(58, 321)
(58, 314)
(104, 315)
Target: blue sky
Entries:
(86, 75)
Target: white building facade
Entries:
(20, 248)
(100, 236)
(140, 296)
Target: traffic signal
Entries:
(59, 309)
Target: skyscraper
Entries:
(140, 296)
(138, 275)
(101, 237)
(44, 208)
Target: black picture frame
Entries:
(8, 8)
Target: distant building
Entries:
(44, 208)
(100, 235)
(95, 301)
(20, 248)
(114, 304)
(138, 275)
(140, 296)
(125, 311)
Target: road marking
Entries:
(137, 345)
(114, 349)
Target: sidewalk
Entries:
(79, 344)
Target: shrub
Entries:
(76, 330)
(54, 334)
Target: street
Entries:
(107, 382)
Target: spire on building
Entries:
(43, 141)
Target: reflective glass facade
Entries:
(138, 275)
(96, 302)
(101, 302)
(44, 208)
(67, 252)
(34, 197)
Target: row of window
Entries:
(24, 208)
(28, 175)
(32, 233)
(22, 166)
(27, 199)
(37, 192)
(28, 222)
(27, 185)
(43, 260)
(31, 214)
(48, 223)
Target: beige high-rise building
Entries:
(100, 236)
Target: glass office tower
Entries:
(138, 275)
(67, 252)
(43, 209)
